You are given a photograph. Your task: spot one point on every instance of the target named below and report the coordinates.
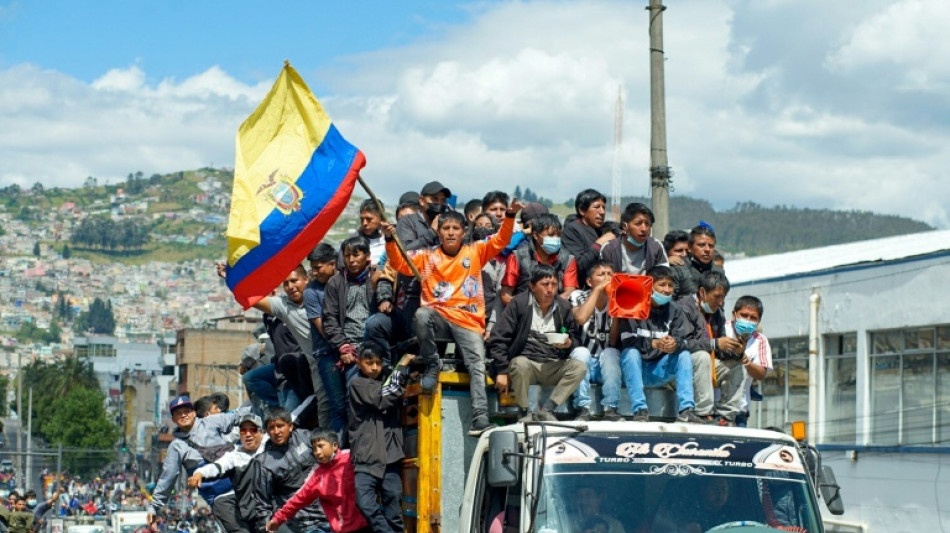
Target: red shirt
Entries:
(333, 484)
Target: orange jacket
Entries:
(452, 285)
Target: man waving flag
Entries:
(293, 175)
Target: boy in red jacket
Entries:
(332, 482)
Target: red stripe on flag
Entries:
(275, 270)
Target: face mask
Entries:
(31, 503)
(706, 309)
(661, 299)
(551, 244)
(480, 234)
(634, 243)
(434, 210)
(745, 327)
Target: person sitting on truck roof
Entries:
(331, 482)
(584, 236)
(525, 347)
(756, 352)
(589, 308)
(235, 465)
(279, 471)
(635, 251)
(376, 438)
(453, 300)
(688, 271)
(714, 355)
(544, 247)
(653, 351)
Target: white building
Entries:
(881, 406)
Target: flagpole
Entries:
(382, 216)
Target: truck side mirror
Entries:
(504, 463)
(830, 491)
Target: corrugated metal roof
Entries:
(813, 260)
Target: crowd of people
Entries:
(522, 295)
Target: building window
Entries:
(785, 390)
(841, 379)
(910, 390)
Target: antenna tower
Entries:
(617, 169)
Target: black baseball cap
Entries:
(433, 187)
(532, 211)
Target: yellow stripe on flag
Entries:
(282, 133)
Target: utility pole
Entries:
(615, 193)
(19, 407)
(660, 173)
(28, 482)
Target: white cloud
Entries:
(524, 94)
(906, 38)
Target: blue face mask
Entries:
(745, 327)
(551, 245)
(706, 309)
(634, 243)
(661, 299)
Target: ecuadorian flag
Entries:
(293, 175)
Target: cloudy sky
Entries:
(842, 104)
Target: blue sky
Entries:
(766, 101)
(179, 39)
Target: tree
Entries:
(37, 188)
(53, 380)
(4, 384)
(518, 192)
(98, 319)
(36, 248)
(67, 253)
(90, 182)
(79, 420)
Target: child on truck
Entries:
(332, 482)
(653, 351)
(376, 438)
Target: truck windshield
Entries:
(599, 483)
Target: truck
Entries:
(601, 477)
(129, 521)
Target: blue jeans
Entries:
(605, 369)
(262, 383)
(638, 373)
(334, 383)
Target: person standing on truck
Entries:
(199, 441)
(756, 354)
(589, 308)
(323, 266)
(235, 465)
(453, 300)
(715, 356)
(653, 351)
(524, 345)
(331, 482)
(376, 438)
(280, 470)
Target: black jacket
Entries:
(694, 322)
(663, 320)
(334, 304)
(579, 238)
(654, 254)
(686, 277)
(374, 426)
(278, 472)
(510, 333)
